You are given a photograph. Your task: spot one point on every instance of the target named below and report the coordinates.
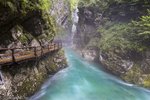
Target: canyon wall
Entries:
(103, 36)
(27, 23)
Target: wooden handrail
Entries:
(28, 53)
(4, 49)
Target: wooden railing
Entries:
(10, 56)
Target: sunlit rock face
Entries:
(91, 54)
(61, 11)
(89, 19)
(34, 23)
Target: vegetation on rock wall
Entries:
(24, 13)
(73, 4)
(24, 6)
(124, 29)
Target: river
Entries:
(83, 80)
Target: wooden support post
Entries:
(13, 55)
(58, 45)
(48, 47)
(35, 51)
(54, 46)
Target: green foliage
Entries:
(126, 36)
(142, 28)
(44, 4)
(22, 9)
(50, 27)
(23, 39)
(73, 4)
(113, 37)
(24, 6)
(104, 5)
(147, 81)
(93, 42)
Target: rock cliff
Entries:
(129, 64)
(21, 81)
(30, 23)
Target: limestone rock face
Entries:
(90, 54)
(35, 43)
(21, 27)
(131, 66)
(88, 23)
(36, 23)
(61, 11)
(23, 80)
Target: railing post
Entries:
(13, 56)
(57, 45)
(35, 51)
(60, 44)
(41, 50)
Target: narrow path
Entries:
(16, 55)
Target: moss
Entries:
(30, 86)
(73, 4)
(52, 66)
(23, 39)
(146, 82)
(134, 75)
(24, 9)
(24, 6)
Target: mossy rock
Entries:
(146, 82)
(134, 75)
(30, 86)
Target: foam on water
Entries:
(82, 80)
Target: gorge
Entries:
(82, 80)
(105, 53)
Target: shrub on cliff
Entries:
(126, 36)
(142, 28)
(24, 6)
(28, 12)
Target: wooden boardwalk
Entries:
(10, 56)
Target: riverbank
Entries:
(129, 72)
(107, 33)
(83, 80)
(23, 80)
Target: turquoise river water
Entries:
(83, 80)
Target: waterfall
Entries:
(75, 19)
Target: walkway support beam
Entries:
(35, 53)
(13, 55)
(26, 53)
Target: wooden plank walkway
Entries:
(17, 55)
